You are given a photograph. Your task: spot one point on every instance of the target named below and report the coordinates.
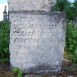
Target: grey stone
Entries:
(31, 5)
(41, 75)
(54, 76)
(37, 40)
(71, 76)
(33, 76)
(76, 21)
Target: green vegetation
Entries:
(4, 41)
(71, 42)
(69, 8)
(18, 72)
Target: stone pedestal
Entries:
(37, 36)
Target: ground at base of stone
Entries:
(5, 70)
(68, 70)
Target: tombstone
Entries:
(76, 20)
(37, 36)
(5, 14)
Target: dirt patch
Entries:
(5, 70)
(68, 70)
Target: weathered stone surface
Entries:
(37, 41)
(37, 36)
(31, 5)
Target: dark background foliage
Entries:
(69, 8)
(4, 40)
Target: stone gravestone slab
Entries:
(37, 36)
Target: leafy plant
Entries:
(17, 71)
(69, 8)
(71, 42)
(4, 40)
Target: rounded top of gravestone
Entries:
(31, 5)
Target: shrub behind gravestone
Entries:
(71, 42)
(4, 40)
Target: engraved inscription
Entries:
(36, 40)
(29, 32)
